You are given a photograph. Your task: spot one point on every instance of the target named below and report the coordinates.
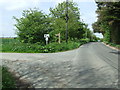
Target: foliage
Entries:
(108, 22)
(13, 45)
(31, 27)
(33, 24)
(7, 79)
(113, 45)
(58, 16)
(84, 40)
(56, 47)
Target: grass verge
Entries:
(13, 45)
(9, 80)
(113, 45)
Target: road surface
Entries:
(93, 65)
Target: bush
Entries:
(56, 47)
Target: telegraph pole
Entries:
(66, 21)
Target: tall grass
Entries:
(8, 81)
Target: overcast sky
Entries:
(10, 8)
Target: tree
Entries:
(31, 27)
(108, 21)
(75, 27)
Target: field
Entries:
(14, 45)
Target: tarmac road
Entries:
(93, 65)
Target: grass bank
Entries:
(9, 81)
(113, 45)
(14, 45)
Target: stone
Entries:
(69, 68)
(23, 77)
(17, 75)
(57, 77)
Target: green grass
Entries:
(14, 45)
(8, 80)
(112, 44)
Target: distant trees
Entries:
(108, 22)
(33, 24)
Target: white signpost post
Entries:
(46, 36)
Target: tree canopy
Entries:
(33, 24)
(108, 22)
(58, 14)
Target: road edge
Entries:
(111, 46)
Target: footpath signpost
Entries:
(46, 36)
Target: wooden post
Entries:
(59, 37)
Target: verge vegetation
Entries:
(61, 25)
(14, 45)
(10, 81)
(113, 45)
